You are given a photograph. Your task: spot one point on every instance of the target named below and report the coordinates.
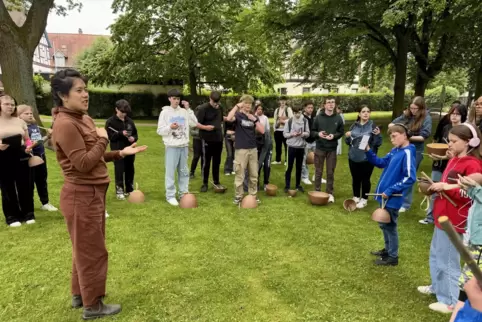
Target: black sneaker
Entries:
(380, 253)
(300, 189)
(204, 188)
(191, 176)
(286, 189)
(100, 311)
(387, 261)
(76, 301)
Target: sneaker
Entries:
(204, 188)
(275, 162)
(306, 181)
(30, 222)
(441, 307)
(427, 289)
(121, 196)
(285, 163)
(380, 253)
(173, 202)
(331, 199)
(258, 201)
(387, 261)
(286, 189)
(236, 201)
(77, 301)
(233, 173)
(402, 209)
(191, 176)
(323, 181)
(227, 174)
(265, 187)
(15, 224)
(101, 311)
(300, 189)
(356, 199)
(313, 178)
(425, 221)
(106, 214)
(362, 203)
(48, 207)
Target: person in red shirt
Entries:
(465, 152)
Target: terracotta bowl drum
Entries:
(349, 205)
(292, 193)
(423, 185)
(381, 216)
(318, 198)
(136, 196)
(310, 158)
(271, 190)
(249, 202)
(35, 161)
(188, 201)
(437, 148)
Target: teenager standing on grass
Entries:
(174, 124)
(210, 119)
(327, 129)
(398, 175)
(310, 141)
(81, 154)
(465, 159)
(197, 150)
(15, 174)
(457, 115)
(419, 122)
(122, 132)
(246, 152)
(361, 170)
(281, 115)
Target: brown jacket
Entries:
(80, 151)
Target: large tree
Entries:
(215, 42)
(18, 43)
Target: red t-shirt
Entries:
(442, 207)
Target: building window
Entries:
(282, 91)
(306, 90)
(59, 60)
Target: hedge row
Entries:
(147, 105)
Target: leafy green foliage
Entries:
(433, 96)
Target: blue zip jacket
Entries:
(468, 314)
(474, 219)
(399, 173)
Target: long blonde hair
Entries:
(472, 113)
(416, 125)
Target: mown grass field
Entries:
(285, 261)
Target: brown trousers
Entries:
(83, 207)
(246, 159)
(320, 157)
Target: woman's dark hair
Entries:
(464, 133)
(5, 96)
(62, 82)
(462, 109)
(123, 106)
(358, 118)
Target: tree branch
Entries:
(6, 22)
(34, 26)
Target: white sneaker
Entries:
(121, 196)
(233, 172)
(48, 207)
(362, 203)
(331, 199)
(441, 307)
(323, 180)
(173, 202)
(15, 224)
(402, 210)
(306, 181)
(313, 178)
(30, 222)
(424, 221)
(275, 162)
(106, 214)
(427, 290)
(356, 199)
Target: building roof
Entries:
(71, 45)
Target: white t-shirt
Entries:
(265, 121)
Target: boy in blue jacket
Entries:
(399, 175)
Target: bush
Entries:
(148, 106)
(433, 96)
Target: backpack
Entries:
(277, 125)
(291, 122)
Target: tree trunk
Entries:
(420, 83)
(17, 74)
(193, 85)
(478, 81)
(400, 75)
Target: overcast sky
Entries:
(94, 18)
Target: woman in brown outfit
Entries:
(81, 153)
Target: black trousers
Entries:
(40, 179)
(197, 147)
(280, 141)
(124, 174)
(294, 154)
(360, 174)
(16, 186)
(211, 152)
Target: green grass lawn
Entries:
(285, 261)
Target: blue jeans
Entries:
(436, 176)
(176, 161)
(408, 195)
(444, 268)
(390, 233)
(305, 172)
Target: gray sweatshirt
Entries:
(298, 125)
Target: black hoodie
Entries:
(332, 124)
(118, 141)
